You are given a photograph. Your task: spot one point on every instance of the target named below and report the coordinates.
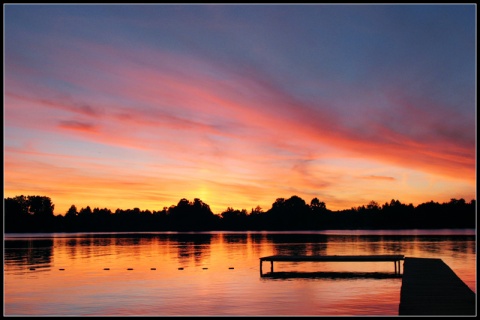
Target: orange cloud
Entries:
(372, 177)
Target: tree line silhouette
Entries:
(36, 214)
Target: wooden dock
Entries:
(430, 287)
(366, 258)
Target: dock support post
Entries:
(271, 266)
(398, 268)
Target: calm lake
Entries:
(217, 273)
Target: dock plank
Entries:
(430, 287)
(332, 258)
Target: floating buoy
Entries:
(130, 269)
(230, 268)
(32, 268)
(153, 268)
(204, 268)
(61, 269)
(180, 268)
(106, 268)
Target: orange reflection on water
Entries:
(212, 274)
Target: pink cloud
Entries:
(77, 125)
(168, 97)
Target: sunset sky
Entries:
(124, 106)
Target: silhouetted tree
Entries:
(396, 215)
(191, 216)
(84, 219)
(290, 214)
(36, 214)
(428, 215)
(40, 207)
(102, 220)
(72, 212)
(234, 219)
(70, 222)
(16, 214)
(321, 217)
(257, 219)
(373, 206)
(458, 213)
(39, 210)
(317, 205)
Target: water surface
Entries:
(217, 273)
